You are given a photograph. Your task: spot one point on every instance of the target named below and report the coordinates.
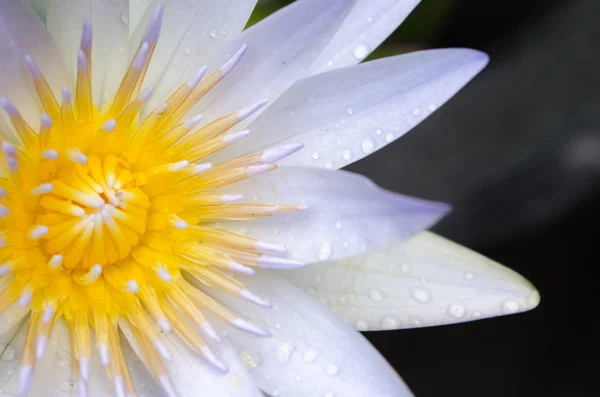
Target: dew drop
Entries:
(370, 19)
(316, 156)
(338, 225)
(432, 107)
(67, 386)
(456, 310)
(361, 325)
(361, 52)
(416, 112)
(124, 18)
(389, 322)
(187, 50)
(469, 276)
(121, 49)
(376, 295)
(310, 356)
(379, 131)
(329, 165)
(284, 352)
(251, 360)
(213, 33)
(510, 307)
(389, 137)
(332, 370)
(404, 267)
(350, 111)
(421, 295)
(368, 145)
(325, 251)
(347, 154)
(330, 64)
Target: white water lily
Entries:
(137, 223)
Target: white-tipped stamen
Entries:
(246, 326)
(164, 274)
(193, 82)
(201, 168)
(39, 190)
(119, 386)
(45, 121)
(213, 360)
(249, 111)
(55, 262)
(211, 332)
(3, 211)
(25, 297)
(231, 198)
(84, 368)
(104, 354)
(275, 154)
(180, 224)
(140, 58)
(109, 126)
(8, 107)
(194, 121)
(250, 297)
(132, 286)
(273, 248)
(258, 169)
(48, 313)
(153, 30)
(82, 387)
(67, 97)
(86, 37)
(145, 94)
(162, 108)
(9, 149)
(82, 62)
(25, 377)
(33, 68)
(2, 192)
(234, 136)
(167, 386)
(75, 155)
(233, 61)
(40, 346)
(49, 154)
(273, 262)
(178, 166)
(164, 325)
(12, 163)
(162, 350)
(4, 270)
(237, 267)
(37, 231)
(93, 275)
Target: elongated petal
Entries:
(110, 25)
(137, 9)
(347, 214)
(424, 281)
(345, 115)
(192, 375)
(280, 50)
(11, 317)
(369, 23)
(312, 352)
(23, 33)
(192, 32)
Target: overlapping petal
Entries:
(369, 23)
(23, 33)
(424, 281)
(191, 375)
(110, 26)
(312, 352)
(347, 114)
(192, 31)
(347, 214)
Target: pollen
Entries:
(107, 217)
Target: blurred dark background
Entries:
(518, 155)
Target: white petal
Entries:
(347, 214)
(23, 33)
(369, 23)
(110, 25)
(280, 50)
(190, 374)
(137, 8)
(424, 281)
(11, 317)
(311, 352)
(345, 115)
(192, 31)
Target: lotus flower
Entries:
(157, 217)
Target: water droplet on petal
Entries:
(456, 310)
(325, 251)
(332, 370)
(338, 225)
(213, 33)
(416, 112)
(360, 52)
(251, 360)
(379, 131)
(329, 165)
(284, 352)
(469, 276)
(310, 356)
(421, 295)
(368, 145)
(316, 155)
(389, 322)
(347, 154)
(389, 137)
(510, 307)
(350, 111)
(187, 50)
(376, 295)
(361, 325)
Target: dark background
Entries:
(518, 155)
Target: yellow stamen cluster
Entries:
(104, 212)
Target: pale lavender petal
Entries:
(347, 214)
(420, 282)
